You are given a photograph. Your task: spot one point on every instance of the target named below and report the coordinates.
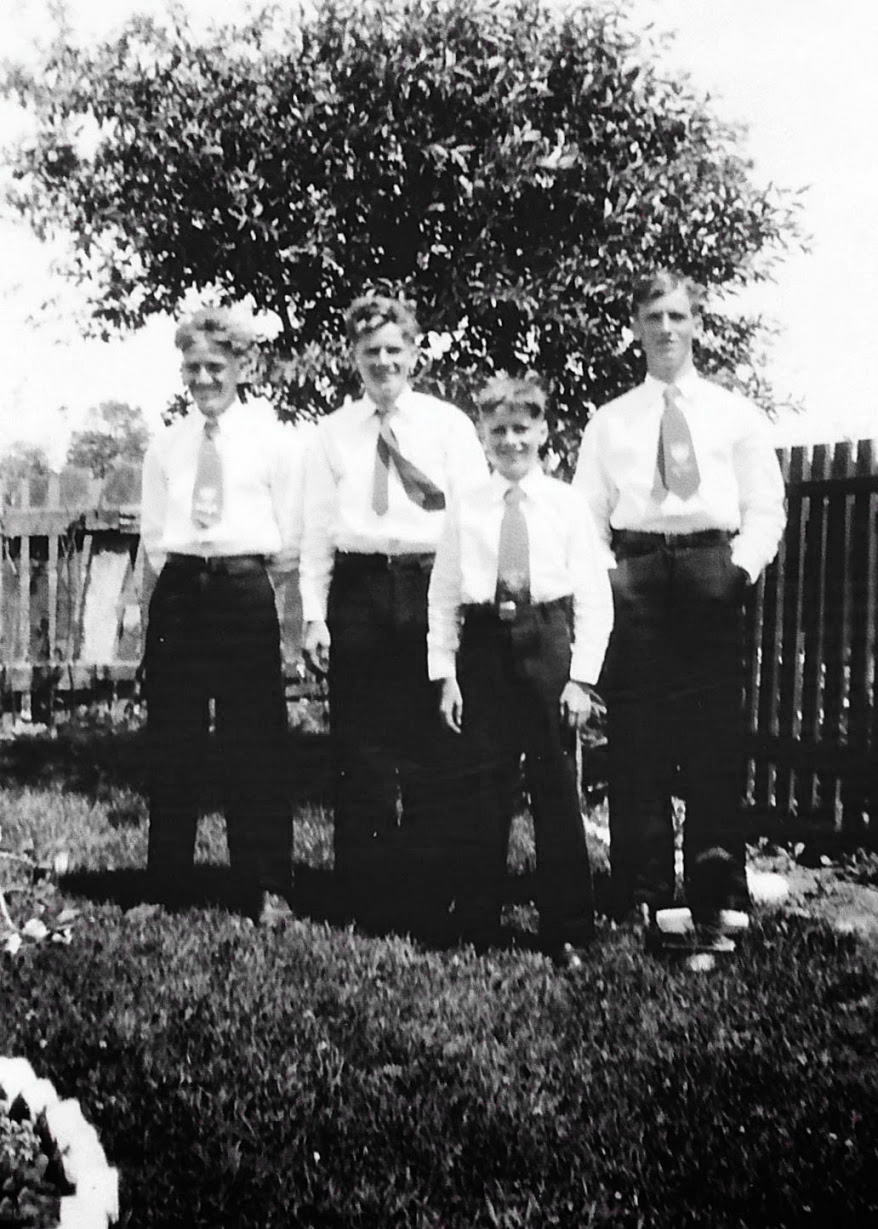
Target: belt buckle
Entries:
(507, 610)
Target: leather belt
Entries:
(216, 565)
(627, 542)
(377, 562)
(508, 612)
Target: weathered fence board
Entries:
(73, 585)
(812, 690)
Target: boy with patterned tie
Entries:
(686, 491)
(520, 612)
(220, 516)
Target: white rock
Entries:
(767, 887)
(701, 962)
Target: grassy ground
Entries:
(313, 1077)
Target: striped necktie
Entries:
(417, 486)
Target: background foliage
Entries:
(508, 165)
(114, 432)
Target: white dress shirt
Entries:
(741, 487)
(263, 464)
(565, 559)
(436, 437)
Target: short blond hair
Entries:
(370, 312)
(218, 327)
(525, 392)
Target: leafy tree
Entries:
(508, 166)
(19, 461)
(115, 432)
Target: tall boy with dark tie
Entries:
(520, 611)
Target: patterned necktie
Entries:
(415, 482)
(207, 494)
(513, 553)
(676, 464)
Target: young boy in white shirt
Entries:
(520, 612)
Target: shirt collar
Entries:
(197, 419)
(403, 402)
(528, 484)
(686, 383)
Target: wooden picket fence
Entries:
(72, 582)
(73, 591)
(812, 687)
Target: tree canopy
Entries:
(509, 166)
(114, 431)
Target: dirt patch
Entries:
(842, 894)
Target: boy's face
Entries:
(666, 328)
(385, 360)
(211, 374)
(512, 438)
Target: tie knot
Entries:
(672, 394)
(514, 494)
(211, 428)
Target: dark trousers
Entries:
(392, 758)
(213, 634)
(511, 677)
(673, 680)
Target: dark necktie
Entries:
(415, 482)
(513, 553)
(676, 464)
(207, 494)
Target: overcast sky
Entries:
(800, 73)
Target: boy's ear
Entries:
(544, 431)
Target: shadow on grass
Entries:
(315, 897)
(98, 762)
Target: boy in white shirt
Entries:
(520, 612)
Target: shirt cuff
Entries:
(441, 665)
(585, 666)
(742, 558)
(313, 611)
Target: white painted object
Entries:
(95, 1203)
(767, 887)
(679, 921)
(701, 962)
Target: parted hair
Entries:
(658, 282)
(526, 392)
(218, 327)
(370, 312)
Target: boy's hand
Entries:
(451, 704)
(315, 645)
(575, 705)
